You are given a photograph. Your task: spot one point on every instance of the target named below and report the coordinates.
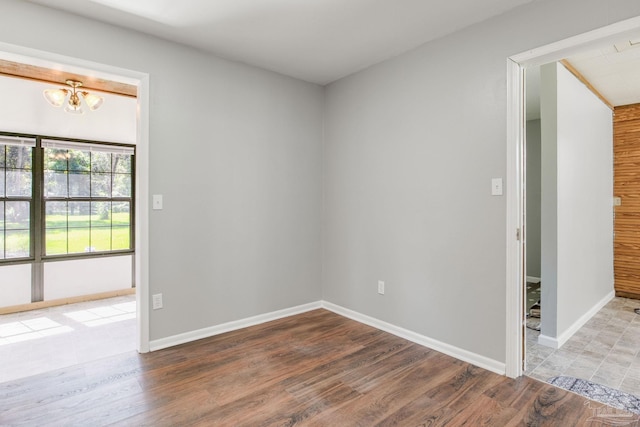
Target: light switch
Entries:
(157, 202)
(496, 187)
(156, 301)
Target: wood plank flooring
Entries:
(313, 369)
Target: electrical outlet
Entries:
(157, 301)
(380, 287)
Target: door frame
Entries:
(515, 180)
(141, 80)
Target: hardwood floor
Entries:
(316, 369)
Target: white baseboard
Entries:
(548, 341)
(458, 353)
(532, 279)
(230, 326)
(575, 327)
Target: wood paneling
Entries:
(65, 301)
(313, 369)
(626, 154)
(58, 78)
(585, 82)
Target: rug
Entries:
(533, 295)
(533, 306)
(598, 392)
(533, 323)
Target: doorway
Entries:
(140, 80)
(515, 175)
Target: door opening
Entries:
(140, 81)
(516, 274)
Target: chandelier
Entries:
(74, 98)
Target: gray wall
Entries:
(533, 197)
(549, 209)
(411, 146)
(585, 201)
(235, 150)
(577, 136)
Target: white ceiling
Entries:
(314, 40)
(613, 70)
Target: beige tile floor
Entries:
(43, 340)
(606, 350)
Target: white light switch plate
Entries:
(156, 301)
(157, 202)
(496, 187)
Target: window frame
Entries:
(30, 199)
(38, 201)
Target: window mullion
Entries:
(91, 196)
(4, 205)
(37, 226)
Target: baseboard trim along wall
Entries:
(532, 279)
(230, 326)
(548, 341)
(458, 353)
(564, 337)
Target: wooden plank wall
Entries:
(626, 185)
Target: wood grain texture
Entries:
(64, 301)
(573, 70)
(57, 78)
(626, 185)
(313, 369)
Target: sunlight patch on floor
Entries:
(30, 329)
(102, 315)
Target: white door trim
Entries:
(515, 170)
(141, 80)
(515, 246)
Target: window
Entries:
(87, 198)
(16, 193)
(64, 198)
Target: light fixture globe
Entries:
(93, 101)
(55, 97)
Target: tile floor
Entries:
(43, 340)
(606, 350)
